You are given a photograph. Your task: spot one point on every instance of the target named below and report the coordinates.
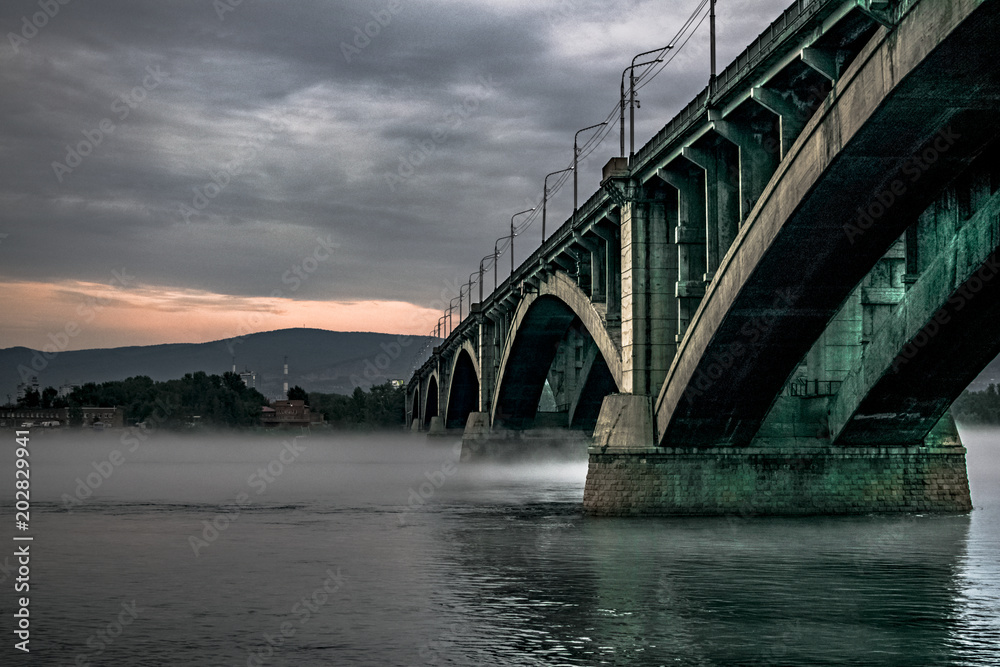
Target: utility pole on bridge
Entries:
(545, 196)
(512, 235)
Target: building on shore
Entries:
(289, 413)
(56, 417)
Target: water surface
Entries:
(385, 550)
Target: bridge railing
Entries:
(732, 76)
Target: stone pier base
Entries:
(748, 481)
(629, 476)
(436, 427)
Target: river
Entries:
(386, 550)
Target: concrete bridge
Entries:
(772, 306)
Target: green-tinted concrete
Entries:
(797, 481)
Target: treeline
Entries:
(217, 400)
(220, 401)
(977, 407)
(384, 406)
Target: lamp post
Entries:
(512, 235)
(545, 196)
(631, 70)
(711, 30)
(470, 294)
(451, 307)
(486, 257)
(496, 261)
(576, 154)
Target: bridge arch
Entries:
(905, 93)
(431, 408)
(415, 406)
(541, 321)
(938, 338)
(463, 387)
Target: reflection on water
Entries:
(448, 563)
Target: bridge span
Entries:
(771, 307)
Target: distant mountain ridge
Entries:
(318, 360)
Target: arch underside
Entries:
(463, 393)
(415, 406)
(939, 337)
(793, 265)
(431, 400)
(552, 343)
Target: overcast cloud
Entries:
(307, 126)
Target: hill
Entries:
(318, 360)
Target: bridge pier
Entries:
(436, 427)
(776, 481)
(628, 475)
(770, 308)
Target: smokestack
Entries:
(286, 376)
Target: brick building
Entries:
(286, 413)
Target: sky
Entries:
(187, 171)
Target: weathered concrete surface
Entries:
(937, 340)
(928, 82)
(797, 481)
(463, 390)
(785, 192)
(541, 321)
(436, 427)
(626, 421)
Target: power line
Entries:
(688, 28)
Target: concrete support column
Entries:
(496, 319)
(662, 285)
(756, 163)
(722, 202)
(689, 236)
(485, 361)
(611, 233)
(882, 289)
(442, 384)
(791, 120)
(599, 272)
(649, 272)
(635, 297)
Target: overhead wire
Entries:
(674, 47)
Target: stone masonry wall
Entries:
(801, 481)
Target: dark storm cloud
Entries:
(296, 124)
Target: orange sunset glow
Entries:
(75, 315)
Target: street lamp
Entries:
(451, 307)
(486, 257)
(496, 261)
(512, 235)
(545, 196)
(621, 116)
(576, 154)
(470, 291)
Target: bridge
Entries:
(771, 306)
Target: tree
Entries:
(49, 394)
(297, 393)
(32, 399)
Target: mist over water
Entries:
(386, 549)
